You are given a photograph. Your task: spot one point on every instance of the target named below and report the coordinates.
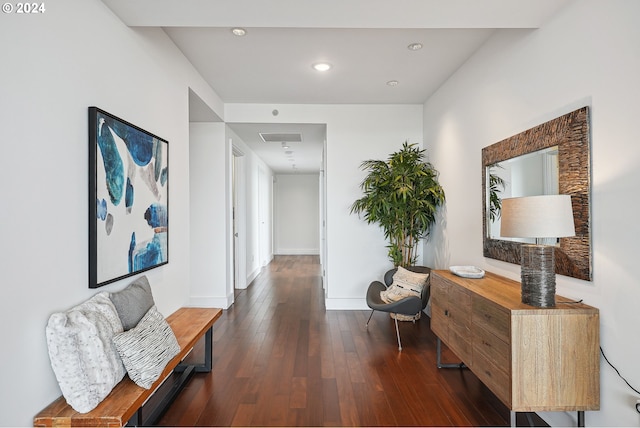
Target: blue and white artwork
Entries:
(129, 220)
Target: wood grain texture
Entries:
(533, 359)
(188, 324)
(281, 359)
(563, 348)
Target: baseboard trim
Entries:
(346, 304)
(210, 302)
(253, 275)
(297, 252)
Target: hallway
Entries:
(280, 359)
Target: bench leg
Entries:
(159, 410)
(136, 420)
(208, 352)
(205, 367)
(186, 371)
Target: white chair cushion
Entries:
(405, 283)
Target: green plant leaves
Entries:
(496, 186)
(402, 196)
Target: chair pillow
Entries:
(83, 356)
(133, 302)
(405, 283)
(147, 348)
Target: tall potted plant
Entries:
(402, 195)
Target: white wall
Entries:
(257, 195)
(265, 216)
(297, 214)
(356, 251)
(54, 66)
(586, 55)
(211, 284)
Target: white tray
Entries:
(467, 271)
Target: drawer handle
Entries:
(446, 312)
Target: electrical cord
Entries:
(625, 381)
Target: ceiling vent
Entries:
(276, 137)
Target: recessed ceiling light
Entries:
(414, 46)
(238, 31)
(322, 66)
(392, 83)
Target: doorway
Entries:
(267, 154)
(238, 217)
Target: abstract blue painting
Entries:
(128, 199)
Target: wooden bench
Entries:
(124, 404)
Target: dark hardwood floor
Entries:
(281, 359)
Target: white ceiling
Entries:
(365, 41)
(305, 157)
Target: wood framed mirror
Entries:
(563, 145)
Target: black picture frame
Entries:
(128, 199)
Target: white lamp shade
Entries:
(546, 216)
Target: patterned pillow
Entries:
(405, 283)
(133, 302)
(82, 354)
(147, 348)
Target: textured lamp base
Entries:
(538, 275)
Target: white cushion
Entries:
(147, 348)
(83, 357)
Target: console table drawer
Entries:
(495, 378)
(439, 321)
(494, 348)
(460, 343)
(492, 317)
(451, 316)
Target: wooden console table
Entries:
(533, 359)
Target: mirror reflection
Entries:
(532, 174)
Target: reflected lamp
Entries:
(539, 217)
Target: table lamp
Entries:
(546, 216)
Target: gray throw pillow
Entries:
(133, 302)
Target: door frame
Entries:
(238, 218)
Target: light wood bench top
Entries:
(188, 324)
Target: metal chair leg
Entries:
(367, 326)
(398, 333)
